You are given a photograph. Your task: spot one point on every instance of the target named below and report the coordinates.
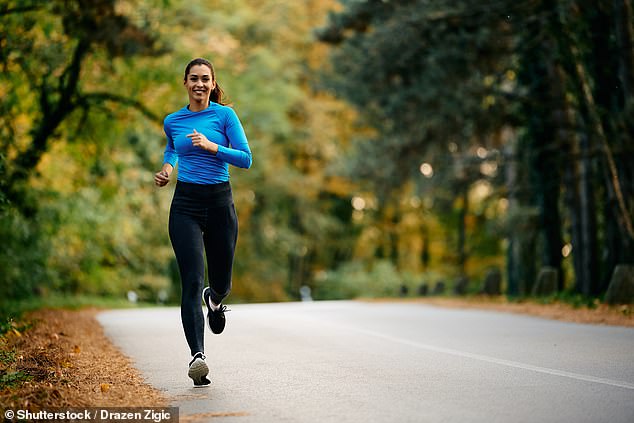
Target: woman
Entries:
(204, 137)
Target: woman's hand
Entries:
(161, 178)
(200, 140)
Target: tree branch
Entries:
(6, 11)
(96, 97)
(53, 114)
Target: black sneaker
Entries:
(215, 319)
(198, 371)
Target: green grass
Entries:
(10, 323)
(10, 378)
(7, 357)
(572, 299)
(12, 312)
(565, 297)
(13, 379)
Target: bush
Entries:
(354, 280)
(23, 259)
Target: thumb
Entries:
(195, 132)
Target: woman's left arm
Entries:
(239, 153)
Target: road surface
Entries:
(385, 362)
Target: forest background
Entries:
(398, 146)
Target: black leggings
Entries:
(202, 217)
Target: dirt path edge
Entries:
(62, 358)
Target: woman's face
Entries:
(199, 84)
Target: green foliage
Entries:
(436, 82)
(13, 379)
(84, 88)
(48, 50)
(572, 298)
(432, 74)
(102, 226)
(421, 72)
(11, 313)
(23, 257)
(12, 324)
(355, 280)
(7, 357)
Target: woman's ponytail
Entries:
(216, 95)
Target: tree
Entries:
(589, 53)
(425, 76)
(409, 66)
(45, 48)
(423, 73)
(539, 108)
(49, 54)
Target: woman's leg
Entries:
(220, 243)
(187, 241)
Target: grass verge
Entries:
(550, 308)
(61, 358)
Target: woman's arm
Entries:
(239, 153)
(161, 178)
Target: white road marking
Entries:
(499, 361)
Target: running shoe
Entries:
(198, 371)
(215, 318)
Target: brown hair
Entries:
(217, 93)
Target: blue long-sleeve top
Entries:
(219, 124)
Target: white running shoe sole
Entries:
(198, 372)
(206, 298)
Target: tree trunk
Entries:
(394, 237)
(587, 276)
(462, 227)
(424, 253)
(625, 42)
(538, 75)
(546, 181)
(521, 227)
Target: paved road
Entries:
(367, 362)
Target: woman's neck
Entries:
(195, 106)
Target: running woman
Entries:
(204, 137)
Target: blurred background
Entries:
(401, 147)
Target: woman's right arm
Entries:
(162, 177)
